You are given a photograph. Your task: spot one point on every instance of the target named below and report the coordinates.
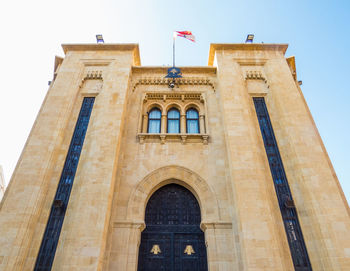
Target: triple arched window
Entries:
(173, 121)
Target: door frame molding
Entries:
(218, 234)
(199, 187)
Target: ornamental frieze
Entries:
(179, 81)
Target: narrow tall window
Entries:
(288, 211)
(173, 121)
(154, 121)
(59, 206)
(192, 123)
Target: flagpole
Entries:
(174, 49)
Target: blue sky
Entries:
(317, 33)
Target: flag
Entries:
(185, 34)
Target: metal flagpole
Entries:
(174, 49)
(173, 72)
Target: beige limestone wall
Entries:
(27, 190)
(83, 236)
(322, 209)
(229, 176)
(2, 183)
(260, 230)
(321, 206)
(25, 209)
(143, 168)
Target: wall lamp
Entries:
(250, 38)
(99, 38)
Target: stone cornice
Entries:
(179, 81)
(105, 47)
(184, 70)
(291, 64)
(244, 47)
(58, 61)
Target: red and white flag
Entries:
(185, 34)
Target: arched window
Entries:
(173, 121)
(154, 121)
(192, 121)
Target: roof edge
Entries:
(245, 47)
(105, 47)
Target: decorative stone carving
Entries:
(179, 81)
(142, 138)
(162, 139)
(256, 82)
(173, 96)
(91, 87)
(205, 139)
(257, 75)
(93, 74)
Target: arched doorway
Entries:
(172, 239)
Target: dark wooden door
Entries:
(172, 240)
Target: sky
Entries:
(317, 33)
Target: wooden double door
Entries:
(172, 239)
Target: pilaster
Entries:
(256, 217)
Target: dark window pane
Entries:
(58, 209)
(289, 213)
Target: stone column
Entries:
(201, 124)
(144, 123)
(125, 246)
(163, 125)
(220, 247)
(183, 124)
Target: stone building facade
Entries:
(2, 183)
(230, 156)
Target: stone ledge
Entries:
(129, 224)
(163, 138)
(216, 225)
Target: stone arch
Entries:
(195, 106)
(173, 174)
(154, 105)
(174, 105)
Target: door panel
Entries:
(172, 240)
(193, 259)
(161, 260)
